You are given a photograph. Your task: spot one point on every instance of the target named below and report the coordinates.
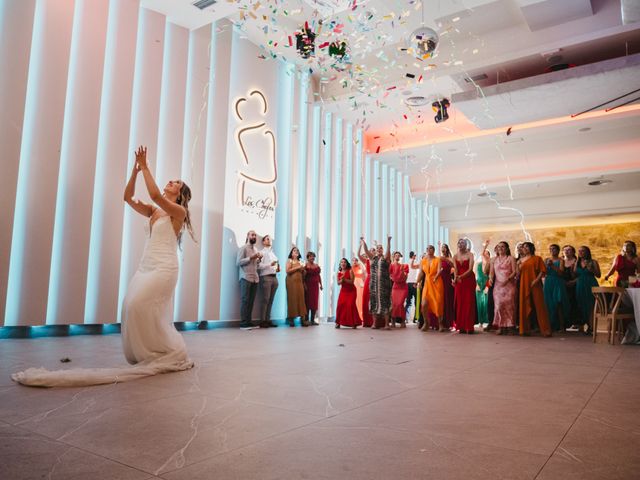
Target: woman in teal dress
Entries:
(555, 290)
(586, 270)
(481, 288)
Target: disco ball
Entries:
(424, 42)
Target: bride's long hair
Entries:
(183, 200)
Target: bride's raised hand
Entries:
(141, 157)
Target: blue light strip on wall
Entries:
(97, 210)
(415, 244)
(436, 226)
(375, 211)
(347, 237)
(59, 227)
(303, 181)
(408, 243)
(286, 73)
(399, 214)
(326, 198)
(315, 178)
(128, 212)
(203, 284)
(16, 262)
(337, 217)
(432, 229)
(368, 199)
(422, 232)
(385, 205)
(357, 223)
(391, 207)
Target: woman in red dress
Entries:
(465, 288)
(398, 273)
(367, 319)
(312, 287)
(347, 311)
(625, 265)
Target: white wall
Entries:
(84, 82)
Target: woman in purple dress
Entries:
(312, 287)
(446, 265)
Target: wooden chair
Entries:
(608, 300)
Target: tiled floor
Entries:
(320, 403)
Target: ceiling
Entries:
(510, 47)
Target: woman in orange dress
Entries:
(531, 295)
(359, 279)
(432, 291)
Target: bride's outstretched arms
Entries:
(129, 192)
(173, 209)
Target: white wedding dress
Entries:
(149, 340)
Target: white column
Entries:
(72, 229)
(172, 103)
(193, 142)
(358, 177)
(39, 161)
(16, 28)
(143, 131)
(209, 298)
(325, 201)
(314, 206)
(337, 210)
(304, 182)
(101, 301)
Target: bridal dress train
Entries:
(149, 340)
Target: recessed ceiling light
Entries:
(584, 129)
(487, 194)
(597, 183)
(453, 149)
(514, 140)
(418, 101)
(407, 92)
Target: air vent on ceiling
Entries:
(418, 101)
(202, 4)
(476, 78)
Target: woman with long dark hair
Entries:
(555, 290)
(346, 310)
(295, 289)
(446, 269)
(312, 287)
(532, 270)
(380, 285)
(586, 270)
(149, 339)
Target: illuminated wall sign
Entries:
(258, 171)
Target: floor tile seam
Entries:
(437, 435)
(127, 405)
(71, 446)
(595, 390)
(275, 435)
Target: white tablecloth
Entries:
(632, 297)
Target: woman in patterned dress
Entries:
(380, 284)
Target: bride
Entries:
(149, 340)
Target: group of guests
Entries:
(450, 291)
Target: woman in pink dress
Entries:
(502, 275)
(359, 279)
(465, 288)
(346, 311)
(367, 319)
(312, 287)
(446, 265)
(398, 273)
